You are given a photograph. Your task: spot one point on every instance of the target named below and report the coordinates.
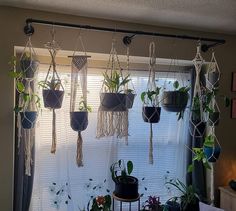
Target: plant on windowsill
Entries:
(176, 101)
(151, 109)
(114, 97)
(126, 186)
(189, 199)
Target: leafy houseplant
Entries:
(189, 199)
(126, 186)
(52, 95)
(79, 119)
(27, 108)
(114, 98)
(151, 110)
(152, 204)
(176, 101)
(211, 151)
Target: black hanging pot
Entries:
(28, 119)
(212, 153)
(79, 120)
(172, 206)
(113, 102)
(151, 114)
(214, 118)
(174, 101)
(53, 98)
(29, 67)
(130, 100)
(212, 80)
(126, 188)
(232, 184)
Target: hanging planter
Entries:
(126, 186)
(151, 110)
(214, 118)
(28, 62)
(213, 74)
(176, 101)
(198, 114)
(28, 119)
(53, 90)
(211, 151)
(129, 87)
(113, 111)
(78, 101)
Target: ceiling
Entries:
(207, 15)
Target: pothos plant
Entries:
(150, 97)
(199, 154)
(183, 89)
(83, 106)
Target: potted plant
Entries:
(28, 65)
(52, 93)
(79, 119)
(211, 151)
(151, 111)
(189, 199)
(101, 203)
(152, 204)
(126, 186)
(114, 98)
(176, 101)
(172, 205)
(27, 108)
(130, 95)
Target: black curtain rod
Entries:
(29, 30)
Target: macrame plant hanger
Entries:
(151, 110)
(29, 103)
(197, 115)
(129, 87)
(113, 113)
(53, 90)
(78, 101)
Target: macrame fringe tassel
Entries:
(28, 138)
(54, 137)
(79, 156)
(111, 123)
(151, 146)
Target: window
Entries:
(55, 171)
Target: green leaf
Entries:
(20, 86)
(176, 84)
(143, 96)
(129, 167)
(190, 168)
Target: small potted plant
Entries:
(211, 151)
(126, 186)
(189, 199)
(151, 111)
(172, 205)
(79, 119)
(152, 204)
(114, 98)
(52, 93)
(101, 203)
(176, 101)
(28, 65)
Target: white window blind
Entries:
(54, 172)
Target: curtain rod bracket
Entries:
(128, 39)
(29, 29)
